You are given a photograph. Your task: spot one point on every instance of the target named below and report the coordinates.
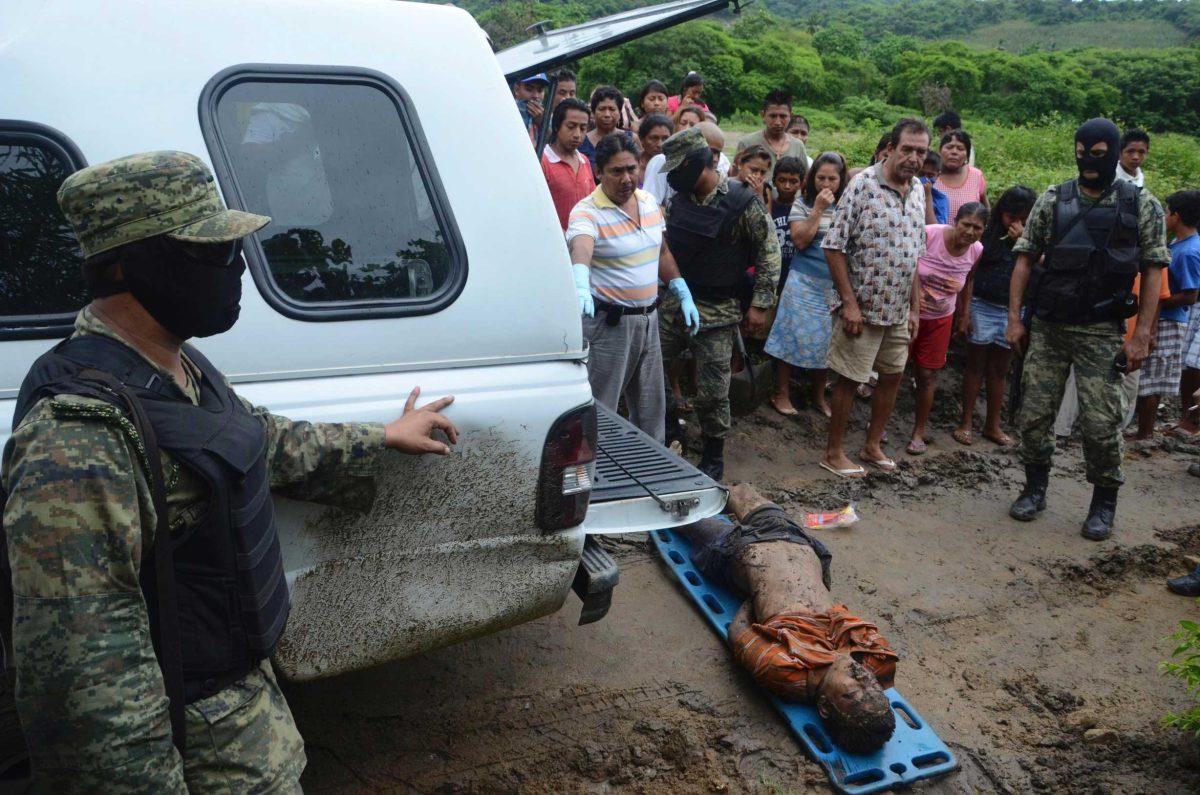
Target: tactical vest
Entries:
(702, 241)
(230, 589)
(1092, 259)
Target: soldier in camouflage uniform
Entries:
(80, 517)
(1096, 234)
(716, 229)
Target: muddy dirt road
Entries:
(1033, 651)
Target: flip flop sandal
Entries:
(850, 473)
(789, 413)
(882, 464)
(1003, 440)
(963, 437)
(916, 447)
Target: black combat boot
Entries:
(1033, 497)
(1099, 522)
(1187, 585)
(712, 460)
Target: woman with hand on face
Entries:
(803, 323)
(690, 93)
(606, 116)
(951, 251)
(986, 300)
(960, 181)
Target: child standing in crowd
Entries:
(803, 323)
(959, 180)
(752, 165)
(652, 99)
(950, 254)
(986, 300)
(1162, 368)
(653, 130)
(789, 178)
(690, 93)
(1187, 244)
(937, 203)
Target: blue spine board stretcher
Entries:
(913, 753)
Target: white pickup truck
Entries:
(411, 245)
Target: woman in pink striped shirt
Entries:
(960, 181)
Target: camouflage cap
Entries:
(682, 144)
(152, 193)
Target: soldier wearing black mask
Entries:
(1084, 244)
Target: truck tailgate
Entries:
(640, 485)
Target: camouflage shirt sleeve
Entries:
(321, 461)
(756, 226)
(90, 694)
(1152, 232)
(1036, 237)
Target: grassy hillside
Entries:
(1019, 35)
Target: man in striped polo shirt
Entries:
(615, 236)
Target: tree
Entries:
(839, 39)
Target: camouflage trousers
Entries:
(712, 349)
(1091, 348)
(243, 739)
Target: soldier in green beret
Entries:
(147, 580)
(717, 228)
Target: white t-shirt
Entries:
(1138, 179)
(654, 181)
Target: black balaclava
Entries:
(683, 177)
(193, 291)
(1090, 133)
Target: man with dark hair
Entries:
(568, 173)
(142, 660)
(1097, 233)
(789, 633)
(619, 256)
(1135, 145)
(873, 245)
(716, 229)
(565, 88)
(946, 121)
(776, 113)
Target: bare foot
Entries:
(999, 437)
(823, 407)
(783, 404)
(743, 499)
(873, 452)
(840, 461)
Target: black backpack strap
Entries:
(166, 635)
(1069, 190)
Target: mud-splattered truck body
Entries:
(413, 243)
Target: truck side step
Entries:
(595, 580)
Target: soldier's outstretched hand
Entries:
(413, 432)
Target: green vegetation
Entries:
(1019, 35)
(1185, 665)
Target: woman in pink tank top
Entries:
(962, 183)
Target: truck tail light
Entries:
(568, 468)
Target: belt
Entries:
(607, 308)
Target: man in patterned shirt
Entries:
(873, 244)
(147, 581)
(716, 230)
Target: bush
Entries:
(1186, 666)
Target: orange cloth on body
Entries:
(1163, 292)
(782, 651)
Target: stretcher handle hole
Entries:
(675, 557)
(692, 577)
(930, 759)
(664, 536)
(898, 768)
(712, 603)
(907, 714)
(868, 776)
(818, 738)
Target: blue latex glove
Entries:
(583, 288)
(691, 315)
